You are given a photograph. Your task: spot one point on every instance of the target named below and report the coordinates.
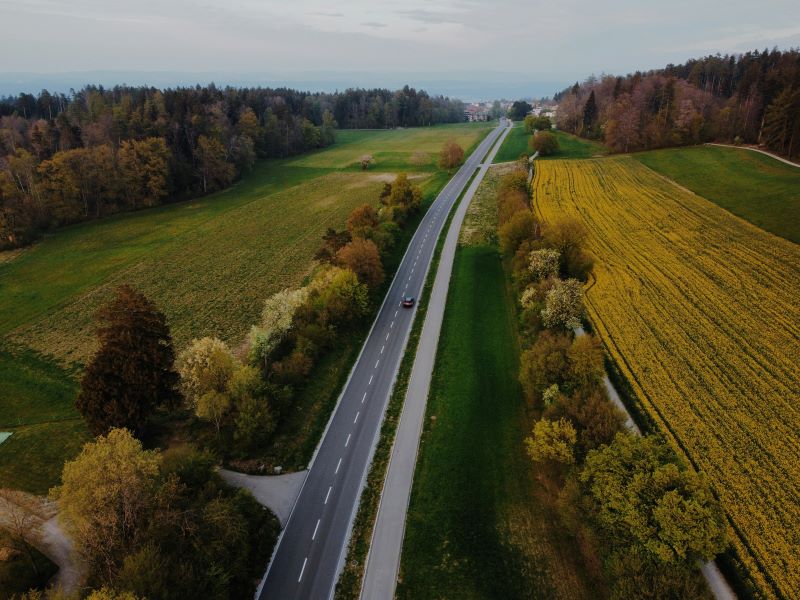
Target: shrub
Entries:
(520, 227)
(206, 365)
(544, 142)
(551, 441)
(451, 156)
(563, 305)
(362, 257)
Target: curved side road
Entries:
(759, 150)
(383, 560)
(311, 549)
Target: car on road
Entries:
(408, 301)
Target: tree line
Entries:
(68, 158)
(629, 501)
(751, 98)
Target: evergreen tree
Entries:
(782, 123)
(589, 113)
(132, 372)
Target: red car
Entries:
(408, 301)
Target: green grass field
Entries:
(752, 186)
(572, 146)
(207, 263)
(477, 525)
(516, 143)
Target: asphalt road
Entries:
(383, 562)
(311, 550)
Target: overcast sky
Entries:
(540, 40)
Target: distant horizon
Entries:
(461, 48)
(482, 88)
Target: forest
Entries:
(94, 152)
(750, 98)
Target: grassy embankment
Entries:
(208, 264)
(478, 525)
(570, 146)
(752, 186)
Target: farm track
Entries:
(699, 310)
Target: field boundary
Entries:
(759, 150)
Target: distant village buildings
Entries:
(477, 111)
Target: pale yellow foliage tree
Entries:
(105, 496)
(276, 322)
(563, 305)
(213, 406)
(544, 263)
(105, 593)
(205, 366)
(552, 441)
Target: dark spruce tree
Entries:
(590, 115)
(132, 372)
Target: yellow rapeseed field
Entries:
(701, 312)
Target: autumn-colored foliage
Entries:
(452, 155)
(132, 373)
(363, 258)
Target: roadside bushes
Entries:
(161, 525)
(630, 500)
(246, 403)
(543, 142)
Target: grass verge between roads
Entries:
(479, 524)
(752, 186)
(516, 143)
(477, 527)
(349, 585)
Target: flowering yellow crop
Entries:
(701, 312)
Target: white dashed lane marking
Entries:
(315, 531)
(356, 419)
(347, 441)
(339, 464)
(328, 495)
(299, 579)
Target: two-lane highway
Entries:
(312, 547)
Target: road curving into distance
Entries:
(310, 551)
